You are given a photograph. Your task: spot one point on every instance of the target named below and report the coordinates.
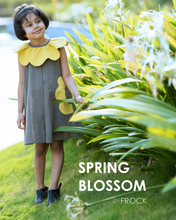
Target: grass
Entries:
(18, 186)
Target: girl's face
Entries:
(33, 27)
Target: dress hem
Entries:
(57, 139)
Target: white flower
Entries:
(112, 3)
(144, 29)
(74, 207)
(158, 21)
(151, 33)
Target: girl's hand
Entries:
(21, 121)
(79, 99)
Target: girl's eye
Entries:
(29, 25)
(38, 21)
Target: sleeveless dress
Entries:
(43, 84)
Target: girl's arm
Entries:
(67, 77)
(20, 118)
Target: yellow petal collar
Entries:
(36, 55)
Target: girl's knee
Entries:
(41, 149)
(57, 146)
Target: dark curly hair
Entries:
(21, 15)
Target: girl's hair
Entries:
(21, 15)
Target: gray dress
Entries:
(42, 85)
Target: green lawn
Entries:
(18, 186)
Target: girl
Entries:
(43, 77)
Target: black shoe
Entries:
(53, 195)
(41, 195)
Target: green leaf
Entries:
(84, 39)
(111, 47)
(124, 154)
(136, 147)
(92, 74)
(99, 53)
(89, 89)
(150, 120)
(123, 91)
(91, 60)
(13, 99)
(120, 139)
(170, 18)
(71, 37)
(170, 29)
(139, 18)
(116, 147)
(102, 112)
(83, 130)
(118, 36)
(93, 30)
(115, 83)
(136, 106)
(105, 136)
(170, 185)
(174, 3)
(122, 23)
(163, 142)
(64, 100)
(172, 42)
(117, 128)
(100, 121)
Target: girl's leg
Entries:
(39, 163)
(57, 153)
